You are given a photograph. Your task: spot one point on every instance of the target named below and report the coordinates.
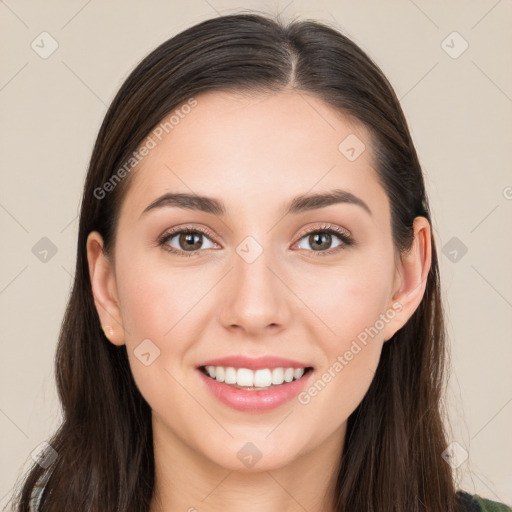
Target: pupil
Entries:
(188, 239)
(319, 236)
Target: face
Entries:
(319, 285)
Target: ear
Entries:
(103, 284)
(411, 277)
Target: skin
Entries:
(254, 153)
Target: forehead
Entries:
(242, 146)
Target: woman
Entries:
(256, 318)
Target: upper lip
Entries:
(255, 363)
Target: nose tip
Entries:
(253, 299)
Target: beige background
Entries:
(459, 111)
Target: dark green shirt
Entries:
(475, 503)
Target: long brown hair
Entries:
(392, 458)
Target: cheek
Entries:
(160, 303)
(351, 307)
(352, 304)
(352, 349)
(157, 306)
(155, 298)
(359, 308)
(349, 302)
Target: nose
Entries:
(255, 299)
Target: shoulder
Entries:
(475, 503)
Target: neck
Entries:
(187, 481)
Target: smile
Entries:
(245, 378)
(254, 390)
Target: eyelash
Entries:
(327, 228)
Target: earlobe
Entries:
(412, 273)
(104, 289)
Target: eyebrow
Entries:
(298, 204)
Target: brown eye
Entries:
(190, 241)
(185, 242)
(320, 240)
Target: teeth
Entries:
(244, 377)
(298, 373)
(277, 376)
(229, 374)
(288, 374)
(219, 374)
(262, 378)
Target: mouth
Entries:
(255, 380)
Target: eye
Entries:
(321, 239)
(189, 240)
(185, 241)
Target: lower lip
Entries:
(257, 401)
